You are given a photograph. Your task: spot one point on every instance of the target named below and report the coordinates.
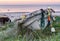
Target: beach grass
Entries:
(37, 35)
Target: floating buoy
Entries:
(52, 29)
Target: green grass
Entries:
(52, 37)
(37, 35)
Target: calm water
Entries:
(17, 9)
(26, 8)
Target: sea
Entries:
(15, 11)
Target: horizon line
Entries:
(32, 4)
(26, 4)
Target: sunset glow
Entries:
(3, 2)
(24, 2)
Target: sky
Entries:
(25, 2)
(22, 2)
